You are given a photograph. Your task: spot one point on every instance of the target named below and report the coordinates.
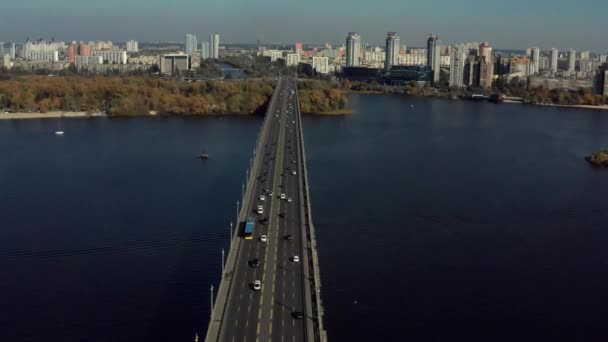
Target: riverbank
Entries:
(48, 115)
(600, 107)
(81, 115)
(447, 96)
(332, 113)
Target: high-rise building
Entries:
(2, 49)
(5, 61)
(471, 71)
(132, 46)
(320, 65)
(391, 51)
(42, 50)
(293, 59)
(12, 51)
(585, 54)
(601, 80)
(191, 43)
(71, 52)
(553, 61)
(353, 49)
(571, 61)
(457, 59)
(486, 72)
(214, 45)
(84, 49)
(603, 59)
(535, 57)
(485, 50)
(205, 50)
(434, 56)
(299, 48)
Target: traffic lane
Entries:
(266, 309)
(290, 289)
(247, 300)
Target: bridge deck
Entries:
(287, 287)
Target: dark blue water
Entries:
(231, 72)
(448, 221)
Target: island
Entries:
(598, 159)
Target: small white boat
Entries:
(59, 133)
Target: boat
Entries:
(59, 133)
(204, 155)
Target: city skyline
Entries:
(544, 24)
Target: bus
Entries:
(248, 232)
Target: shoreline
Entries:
(49, 115)
(85, 115)
(600, 107)
(595, 107)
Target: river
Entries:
(442, 221)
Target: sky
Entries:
(513, 24)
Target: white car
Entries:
(293, 173)
(263, 238)
(260, 209)
(289, 200)
(262, 198)
(257, 285)
(295, 258)
(283, 196)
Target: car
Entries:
(254, 263)
(289, 200)
(282, 215)
(283, 196)
(257, 285)
(293, 173)
(288, 237)
(262, 198)
(260, 209)
(264, 220)
(263, 238)
(270, 194)
(295, 258)
(293, 161)
(297, 315)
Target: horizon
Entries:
(542, 24)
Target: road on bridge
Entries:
(280, 309)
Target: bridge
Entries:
(270, 287)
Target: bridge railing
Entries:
(313, 264)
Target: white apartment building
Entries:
(83, 61)
(457, 59)
(112, 56)
(293, 59)
(412, 59)
(273, 54)
(320, 65)
(214, 45)
(132, 46)
(42, 51)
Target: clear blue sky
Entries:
(505, 24)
